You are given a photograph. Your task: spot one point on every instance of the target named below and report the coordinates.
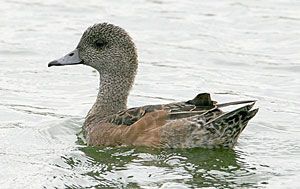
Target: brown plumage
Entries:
(199, 122)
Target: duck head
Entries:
(105, 47)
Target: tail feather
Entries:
(250, 115)
(227, 127)
(228, 115)
(235, 103)
(210, 129)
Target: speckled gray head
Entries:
(105, 47)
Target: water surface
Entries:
(232, 49)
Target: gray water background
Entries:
(233, 49)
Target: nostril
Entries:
(71, 54)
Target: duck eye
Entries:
(100, 43)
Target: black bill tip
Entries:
(54, 63)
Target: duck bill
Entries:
(71, 58)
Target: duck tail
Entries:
(226, 128)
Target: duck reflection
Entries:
(140, 167)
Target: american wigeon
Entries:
(199, 122)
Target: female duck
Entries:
(195, 123)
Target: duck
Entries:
(198, 122)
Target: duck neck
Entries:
(112, 96)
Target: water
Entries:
(232, 49)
